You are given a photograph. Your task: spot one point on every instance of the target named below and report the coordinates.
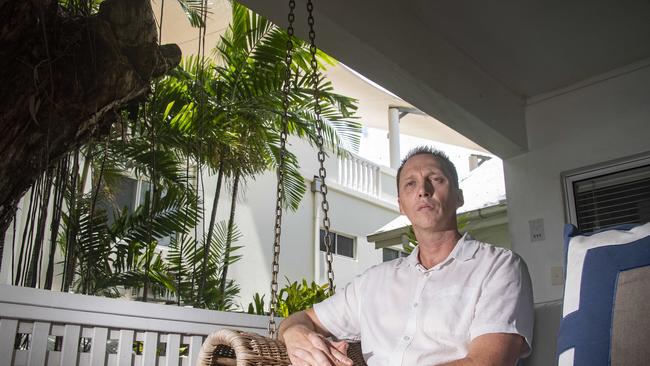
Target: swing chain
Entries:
(322, 172)
(281, 167)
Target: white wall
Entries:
(355, 218)
(606, 120)
(351, 213)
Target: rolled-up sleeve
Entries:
(505, 304)
(339, 314)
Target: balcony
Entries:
(360, 175)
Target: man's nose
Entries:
(426, 189)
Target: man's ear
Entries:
(460, 198)
(399, 203)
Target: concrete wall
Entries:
(607, 119)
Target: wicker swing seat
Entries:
(228, 347)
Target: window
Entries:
(129, 193)
(341, 244)
(610, 194)
(390, 254)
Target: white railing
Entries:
(360, 175)
(39, 327)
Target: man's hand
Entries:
(308, 348)
(304, 336)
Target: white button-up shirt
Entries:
(405, 314)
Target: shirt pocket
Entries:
(449, 310)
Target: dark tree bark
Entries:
(63, 80)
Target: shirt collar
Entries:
(464, 250)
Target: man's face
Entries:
(426, 195)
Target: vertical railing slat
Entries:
(364, 186)
(348, 171)
(125, 348)
(38, 346)
(340, 171)
(8, 328)
(378, 186)
(359, 174)
(150, 346)
(98, 347)
(173, 353)
(195, 347)
(70, 345)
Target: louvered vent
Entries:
(613, 199)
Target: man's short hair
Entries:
(441, 157)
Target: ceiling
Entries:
(475, 64)
(372, 101)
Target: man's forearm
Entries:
(296, 319)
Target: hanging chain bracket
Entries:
(322, 172)
(280, 173)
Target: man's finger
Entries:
(318, 342)
(316, 357)
(339, 351)
(342, 346)
(303, 358)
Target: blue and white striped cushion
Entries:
(593, 265)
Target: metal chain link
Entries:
(286, 90)
(322, 173)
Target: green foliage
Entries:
(292, 298)
(108, 257)
(186, 267)
(300, 296)
(204, 115)
(229, 113)
(257, 306)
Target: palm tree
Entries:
(223, 118)
(235, 107)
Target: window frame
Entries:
(568, 178)
(140, 183)
(335, 244)
(400, 254)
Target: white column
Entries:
(393, 136)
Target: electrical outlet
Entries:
(536, 230)
(557, 276)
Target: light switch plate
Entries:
(557, 276)
(536, 230)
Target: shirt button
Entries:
(427, 274)
(415, 305)
(406, 338)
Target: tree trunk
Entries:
(62, 76)
(71, 229)
(59, 192)
(231, 224)
(33, 274)
(213, 218)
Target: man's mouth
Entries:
(425, 206)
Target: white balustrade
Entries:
(359, 174)
(39, 327)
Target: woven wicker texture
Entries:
(235, 348)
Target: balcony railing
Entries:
(39, 327)
(360, 175)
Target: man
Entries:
(454, 301)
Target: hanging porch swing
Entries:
(232, 347)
